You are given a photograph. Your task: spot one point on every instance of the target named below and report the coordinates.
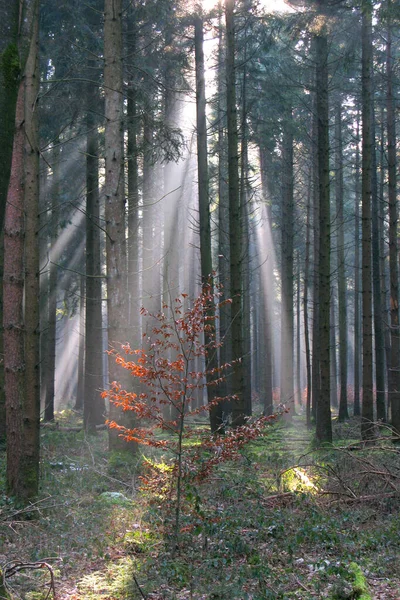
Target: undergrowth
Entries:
(285, 521)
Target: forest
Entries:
(199, 256)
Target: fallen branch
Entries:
(280, 496)
(34, 506)
(369, 498)
(13, 568)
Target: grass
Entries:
(285, 521)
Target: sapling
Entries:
(165, 368)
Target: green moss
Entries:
(10, 66)
(360, 588)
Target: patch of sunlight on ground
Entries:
(116, 579)
(298, 480)
(162, 466)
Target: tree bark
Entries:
(357, 283)
(394, 373)
(80, 388)
(323, 409)
(151, 283)
(29, 475)
(305, 301)
(341, 269)
(367, 412)
(8, 96)
(266, 362)
(133, 216)
(93, 405)
(287, 225)
(114, 197)
(225, 357)
(298, 396)
(13, 316)
(52, 302)
(244, 203)
(334, 374)
(376, 290)
(316, 342)
(216, 422)
(235, 224)
(382, 219)
(9, 77)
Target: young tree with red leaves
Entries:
(175, 382)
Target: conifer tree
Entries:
(21, 273)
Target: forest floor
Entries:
(284, 521)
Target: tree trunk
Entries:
(8, 98)
(80, 388)
(114, 197)
(244, 203)
(266, 362)
(305, 300)
(93, 405)
(341, 268)
(52, 302)
(382, 220)
(323, 409)
(13, 316)
(29, 476)
(133, 217)
(376, 290)
(223, 227)
(357, 286)
(367, 412)
(9, 76)
(216, 422)
(235, 224)
(44, 219)
(334, 377)
(394, 374)
(316, 342)
(21, 272)
(287, 225)
(2, 391)
(298, 398)
(150, 272)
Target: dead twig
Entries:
(139, 588)
(297, 580)
(33, 506)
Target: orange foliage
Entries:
(164, 368)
